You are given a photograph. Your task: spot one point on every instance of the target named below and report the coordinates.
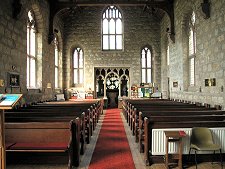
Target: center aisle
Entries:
(112, 150)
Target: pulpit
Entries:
(112, 98)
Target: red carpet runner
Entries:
(112, 150)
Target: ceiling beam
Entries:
(91, 3)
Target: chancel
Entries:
(101, 82)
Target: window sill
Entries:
(108, 50)
(58, 90)
(34, 90)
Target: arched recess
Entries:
(156, 63)
(165, 67)
(58, 31)
(60, 60)
(67, 66)
(58, 34)
(35, 6)
(124, 85)
(60, 68)
(99, 81)
(185, 29)
(70, 76)
(153, 66)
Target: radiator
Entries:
(159, 141)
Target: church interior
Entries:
(112, 84)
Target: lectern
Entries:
(7, 101)
(174, 136)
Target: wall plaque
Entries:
(175, 84)
(13, 79)
(210, 82)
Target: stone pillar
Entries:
(119, 89)
(105, 97)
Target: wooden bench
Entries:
(167, 114)
(45, 137)
(157, 118)
(167, 125)
(167, 118)
(132, 111)
(141, 103)
(156, 105)
(135, 117)
(174, 116)
(59, 109)
(53, 116)
(95, 106)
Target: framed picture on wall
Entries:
(13, 79)
(210, 82)
(175, 84)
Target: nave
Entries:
(114, 157)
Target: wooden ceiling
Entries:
(156, 7)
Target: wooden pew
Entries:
(96, 107)
(96, 103)
(45, 137)
(155, 104)
(158, 104)
(52, 116)
(174, 116)
(166, 125)
(134, 117)
(152, 105)
(57, 113)
(159, 112)
(61, 109)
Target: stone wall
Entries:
(84, 30)
(13, 47)
(209, 57)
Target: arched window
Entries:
(31, 51)
(192, 49)
(78, 64)
(56, 43)
(146, 65)
(112, 29)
